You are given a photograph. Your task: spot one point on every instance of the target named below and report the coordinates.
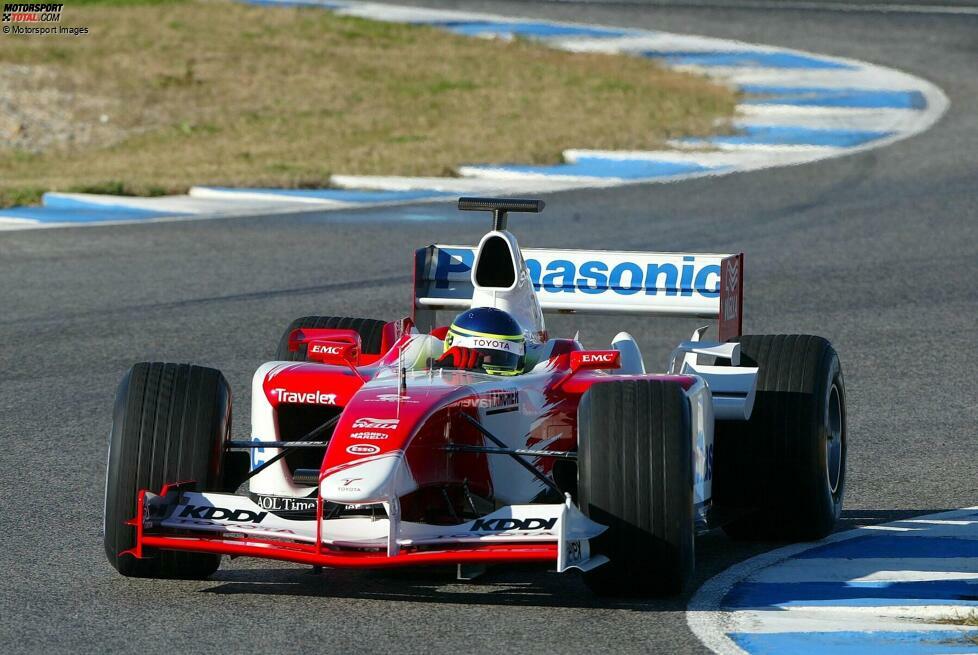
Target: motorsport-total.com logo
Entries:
(35, 18)
(31, 12)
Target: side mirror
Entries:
(594, 360)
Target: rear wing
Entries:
(596, 282)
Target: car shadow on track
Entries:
(528, 586)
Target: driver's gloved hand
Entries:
(459, 357)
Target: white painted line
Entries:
(177, 204)
(738, 160)
(869, 569)
(811, 152)
(490, 172)
(446, 184)
(882, 120)
(266, 196)
(8, 223)
(834, 619)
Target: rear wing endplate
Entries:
(596, 282)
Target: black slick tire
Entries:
(169, 425)
(635, 476)
(783, 471)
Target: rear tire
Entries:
(784, 469)
(371, 333)
(635, 475)
(169, 425)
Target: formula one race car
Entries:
(409, 442)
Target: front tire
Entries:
(784, 470)
(169, 425)
(635, 475)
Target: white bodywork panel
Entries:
(519, 299)
(631, 356)
(276, 479)
(733, 387)
(701, 427)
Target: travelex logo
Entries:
(595, 277)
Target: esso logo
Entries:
(326, 350)
(363, 449)
(601, 358)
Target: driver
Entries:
(484, 339)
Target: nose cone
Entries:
(371, 480)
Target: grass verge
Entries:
(159, 96)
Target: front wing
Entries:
(234, 525)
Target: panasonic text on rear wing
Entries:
(599, 282)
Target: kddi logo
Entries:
(505, 525)
(222, 514)
(326, 350)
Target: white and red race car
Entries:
(365, 455)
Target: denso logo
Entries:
(326, 350)
(376, 423)
(506, 525)
(222, 514)
(601, 358)
(595, 277)
(363, 449)
(309, 398)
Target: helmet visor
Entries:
(499, 355)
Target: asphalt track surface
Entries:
(877, 251)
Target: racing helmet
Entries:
(494, 334)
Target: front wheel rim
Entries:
(834, 441)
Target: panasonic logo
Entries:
(595, 277)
